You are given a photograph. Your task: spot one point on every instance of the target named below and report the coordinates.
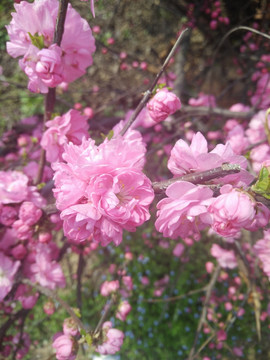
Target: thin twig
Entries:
(104, 315)
(204, 310)
(148, 93)
(51, 294)
(81, 264)
(178, 297)
(199, 177)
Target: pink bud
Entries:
(213, 24)
(96, 29)
(110, 41)
(88, 112)
(163, 104)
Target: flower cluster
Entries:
(31, 33)
(188, 208)
(101, 190)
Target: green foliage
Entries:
(262, 185)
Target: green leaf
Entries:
(262, 185)
(37, 40)
(88, 339)
(77, 312)
(110, 135)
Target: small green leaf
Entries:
(83, 332)
(88, 339)
(262, 185)
(110, 135)
(37, 40)
(77, 312)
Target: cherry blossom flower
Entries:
(8, 270)
(184, 211)
(71, 126)
(113, 340)
(163, 104)
(66, 347)
(101, 190)
(108, 287)
(225, 258)
(123, 310)
(232, 211)
(46, 64)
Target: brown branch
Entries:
(81, 264)
(204, 310)
(205, 110)
(148, 93)
(199, 177)
(104, 315)
(178, 297)
(51, 294)
(49, 101)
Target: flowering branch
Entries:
(50, 97)
(199, 177)
(148, 93)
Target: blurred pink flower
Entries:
(8, 270)
(225, 258)
(113, 340)
(123, 310)
(109, 287)
(163, 104)
(29, 213)
(65, 346)
(203, 100)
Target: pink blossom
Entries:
(123, 310)
(232, 211)
(163, 104)
(26, 296)
(49, 307)
(258, 155)
(195, 157)
(19, 252)
(209, 266)
(8, 215)
(109, 287)
(70, 327)
(113, 340)
(8, 270)
(184, 211)
(14, 189)
(203, 100)
(23, 231)
(65, 346)
(127, 282)
(238, 141)
(39, 18)
(29, 213)
(46, 272)
(262, 250)
(256, 128)
(178, 250)
(225, 258)
(71, 126)
(102, 190)
(49, 66)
